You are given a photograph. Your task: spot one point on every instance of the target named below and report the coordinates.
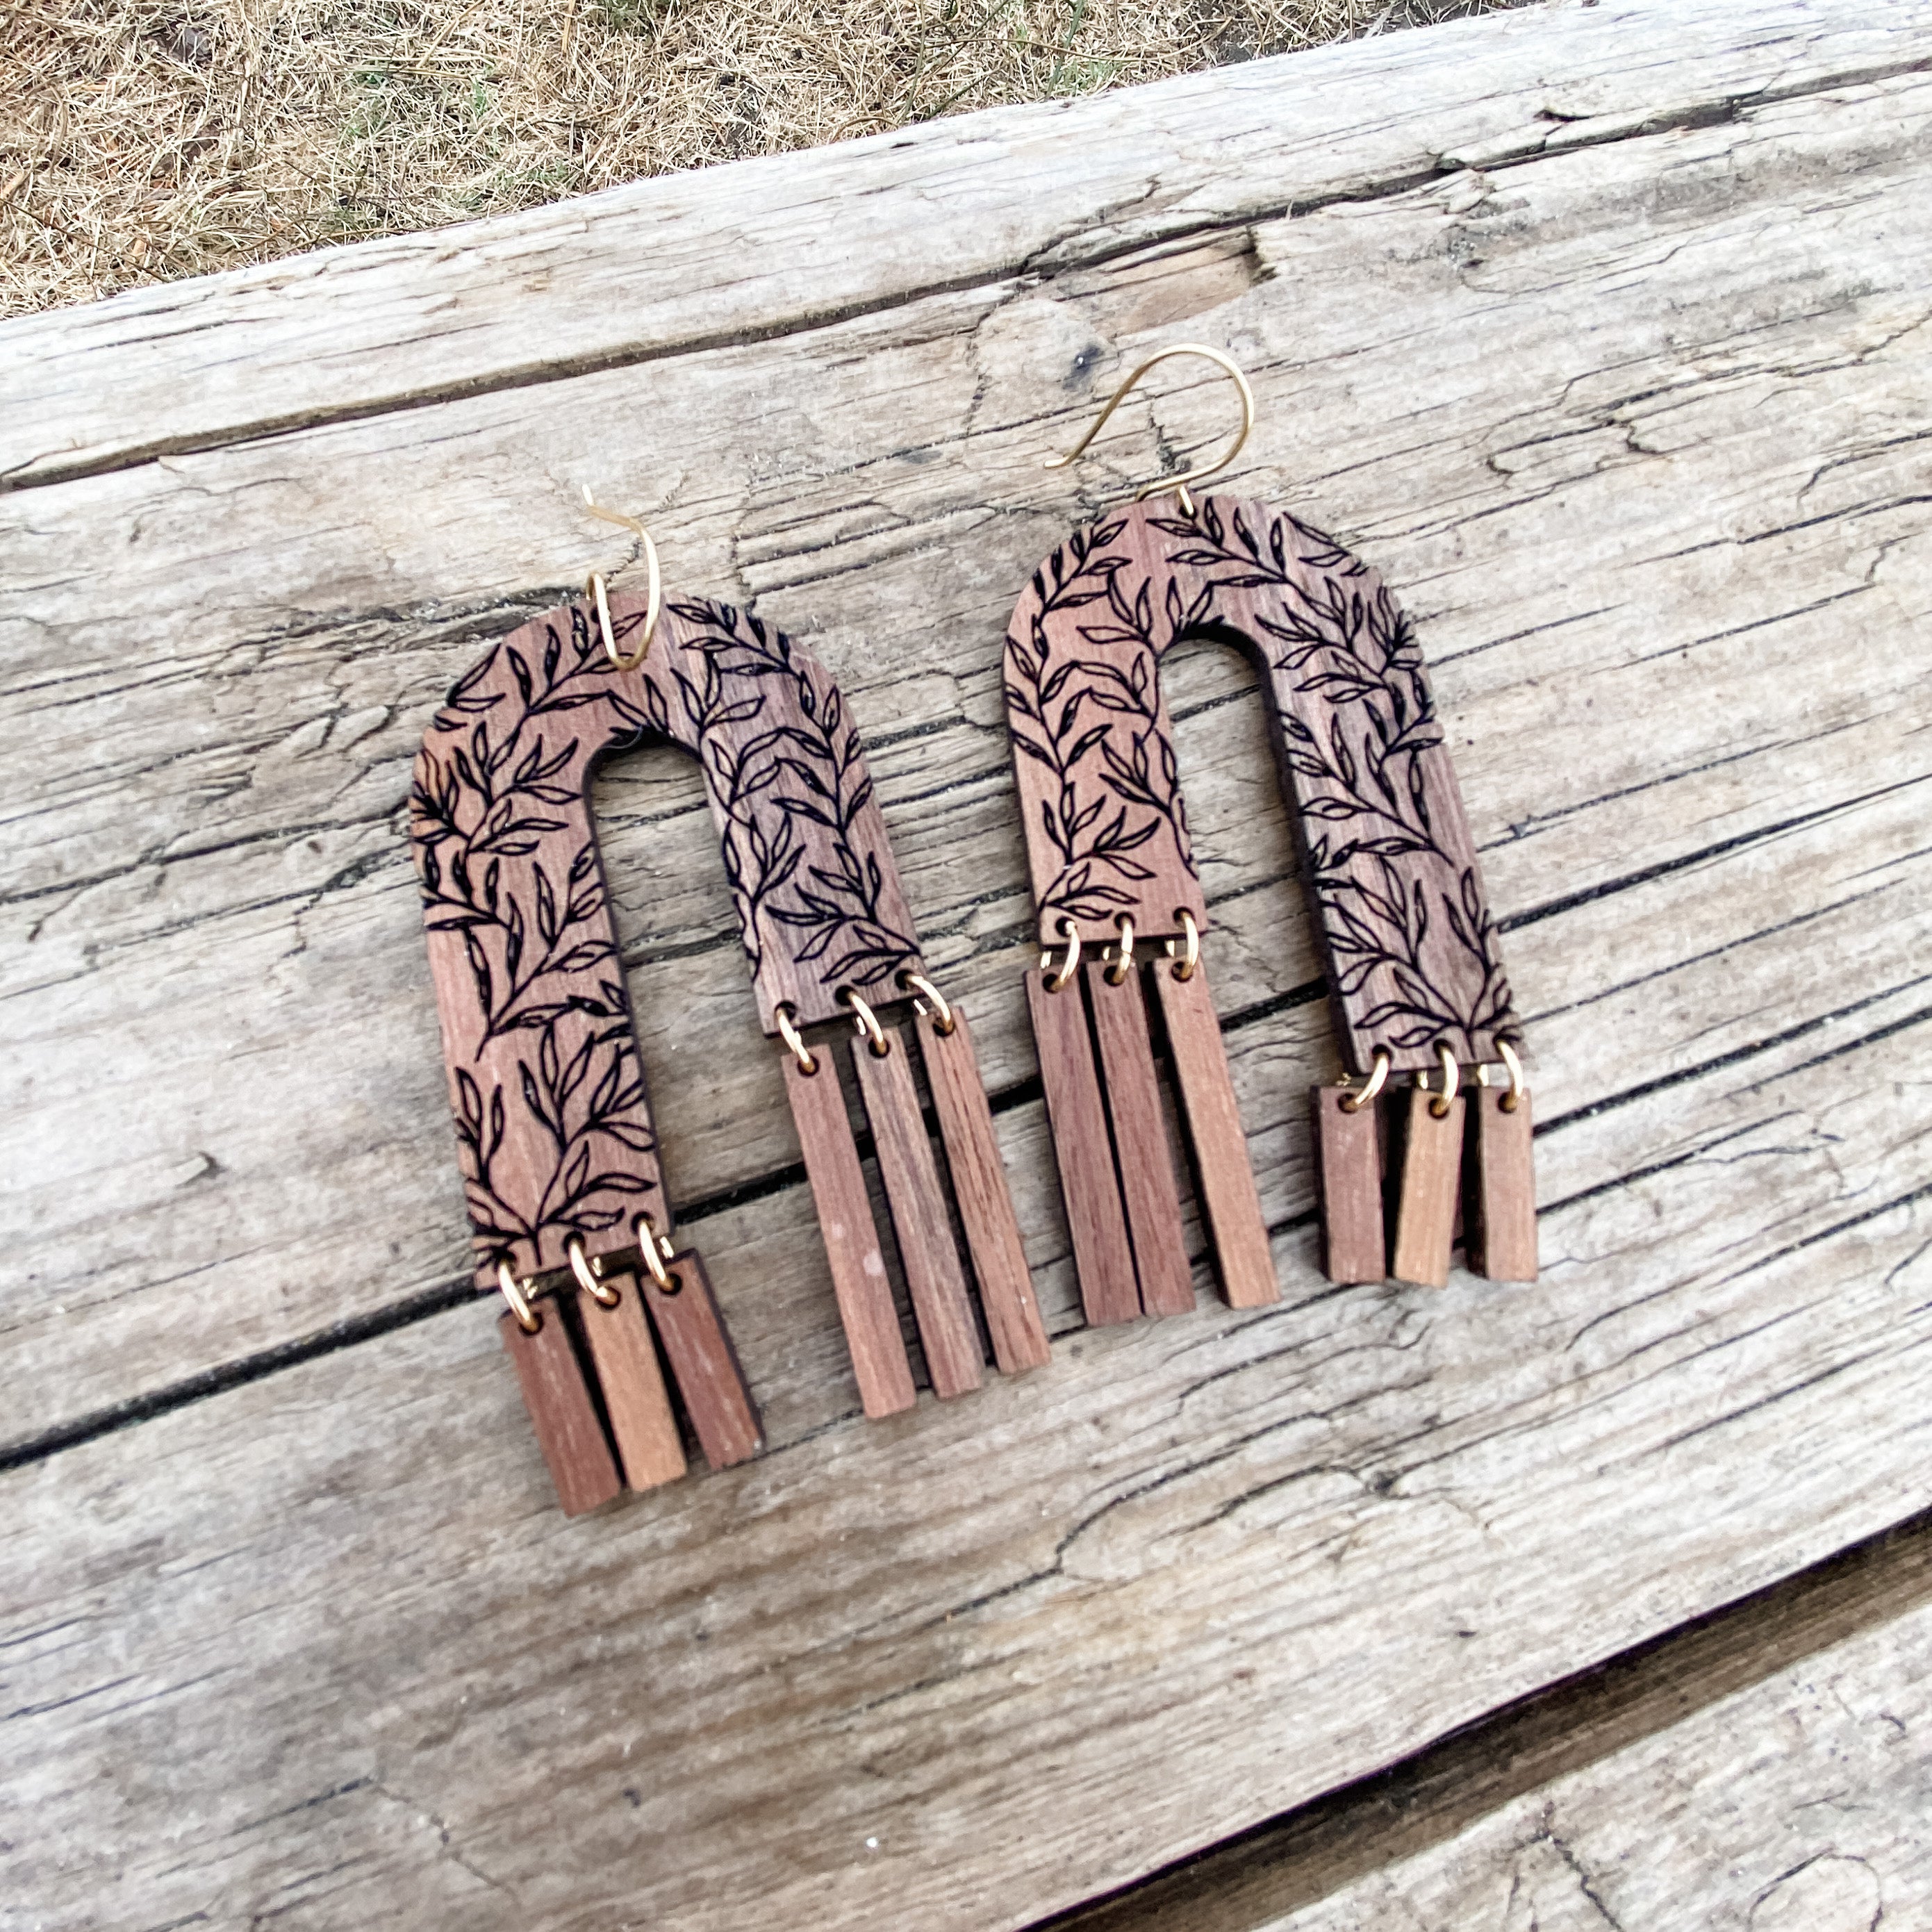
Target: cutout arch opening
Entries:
(1407, 940)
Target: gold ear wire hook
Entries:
(1178, 485)
(595, 590)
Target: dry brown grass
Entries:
(144, 142)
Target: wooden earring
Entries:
(1416, 985)
(567, 1207)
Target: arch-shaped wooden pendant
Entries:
(552, 1123)
(1391, 872)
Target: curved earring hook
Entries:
(1178, 485)
(595, 589)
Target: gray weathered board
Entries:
(1765, 1771)
(1603, 333)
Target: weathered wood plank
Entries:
(1287, 1547)
(1634, 427)
(735, 252)
(1797, 1806)
(265, 907)
(1757, 1769)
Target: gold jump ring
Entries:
(601, 1292)
(934, 1003)
(1513, 1099)
(1117, 973)
(1184, 967)
(867, 1022)
(1353, 1103)
(528, 1319)
(790, 1034)
(656, 1250)
(1452, 1080)
(1071, 933)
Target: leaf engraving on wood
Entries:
(1389, 866)
(553, 1124)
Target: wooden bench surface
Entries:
(1604, 333)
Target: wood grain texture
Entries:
(1224, 1179)
(948, 1335)
(1700, 1778)
(979, 1190)
(527, 299)
(650, 1450)
(1631, 425)
(704, 1364)
(1797, 1804)
(1428, 1187)
(1131, 1093)
(1499, 1186)
(553, 1128)
(269, 916)
(859, 1277)
(1083, 1152)
(562, 1413)
(1348, 1158)
(1391, 867)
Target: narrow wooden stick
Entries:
(1500, 1190)
(858, 1278)
(561, 1413)
(947, 1329)
(1432, 1162)
(649, 1446)
(1076, 1117)
(1230, 1208)
(703, 1363)
(1140, 1149)
(1349, 1186)
(979, 1187)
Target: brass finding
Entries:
(1184, 967)
(1178, 485)
(655, 1251)
(1124, 963)
(934, 1003)
(1513, 1099)
(1353, 1103)
(788, 1032)
(1452, 1079)
(1057, 982)
(867, 1022)
(585, 1270)
(595, 589)
(528, 1319)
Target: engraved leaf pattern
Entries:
(1412, 943)
(553, 1132)
(547, 1090)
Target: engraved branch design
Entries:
(1345, 655)
(809, 769)
(1138, 789)
(498, 776)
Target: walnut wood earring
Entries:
(1415, 983)
(568, 1206)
